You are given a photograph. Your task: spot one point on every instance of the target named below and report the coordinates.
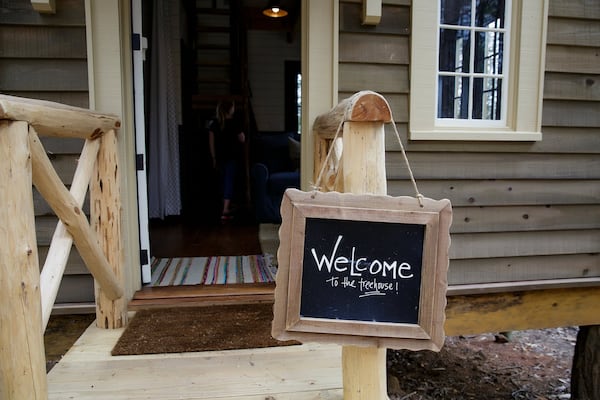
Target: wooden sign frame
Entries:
(434, 215)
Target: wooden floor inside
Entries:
(88, 371)
(181, 237)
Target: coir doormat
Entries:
(186, 329)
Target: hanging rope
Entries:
(317, 185)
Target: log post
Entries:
(363, 170)
(585, 374)
(106, 218)
(22, 356)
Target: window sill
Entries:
(477, 135)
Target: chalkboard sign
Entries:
(359, 270)
(362, 269)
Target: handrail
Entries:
(26, 294)
(59, 120)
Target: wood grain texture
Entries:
(504, 192)
(380, 78)
(432, 165)
(583, 60)
(53, 119)
(23, 374)
(42, 42)
(573, 32)
(571, 113)
(68, 13)
(472, 314)
(106, 219)
(564, 86)
(363, 49)
(521, 269)
(395, 19)
(584, 9)
(557, 139)
(62, 241)
(43, 74)
(62, 202)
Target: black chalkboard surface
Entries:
(367, 270)
(362, 270)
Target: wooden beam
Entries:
(64, 205)
(106, 216)
(534, 309)
(23, 372)
(54, 119)
(62, 241)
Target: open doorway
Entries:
(199, 54)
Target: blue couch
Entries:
(275, 168)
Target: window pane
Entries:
(454, 50)
(488, 52)
(453, 97)
(455, 12)
(487, 96)
(490, 13)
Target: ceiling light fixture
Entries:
(274, 10)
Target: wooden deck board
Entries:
(202, 295)
(88, 371)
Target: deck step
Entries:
(202, 295)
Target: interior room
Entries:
(201, 54)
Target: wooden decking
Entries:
(88, 371)
(202, 295)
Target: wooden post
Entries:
(106, 210)
(22, 356)
(363, 166)
(363, 170)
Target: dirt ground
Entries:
(534, 364)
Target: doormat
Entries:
(212, 270)
(186, 329)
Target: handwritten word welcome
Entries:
(356, 266)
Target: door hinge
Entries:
(139, 162)
(143, 256)
(136, 41)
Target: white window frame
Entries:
(524, 94)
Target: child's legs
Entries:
(228, 184)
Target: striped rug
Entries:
(212, 270)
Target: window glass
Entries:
(455, 12)
(455, 50)
(489, 12)
(471, 58)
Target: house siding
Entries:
(44, 56)
(523, 211)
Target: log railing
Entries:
(27, 296)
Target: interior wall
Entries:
(267, 53)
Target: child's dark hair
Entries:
(223, 109)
